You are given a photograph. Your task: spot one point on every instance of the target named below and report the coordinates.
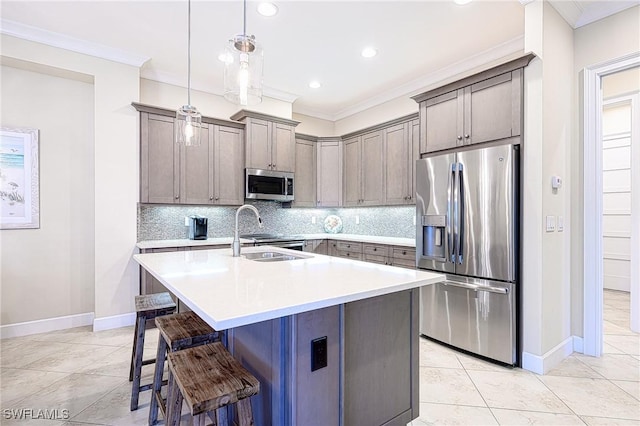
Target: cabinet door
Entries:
(329, 180)
(159, 160)
(258, 144)
(397, 156)
(443, 119)
(305, 177)
(228, 176)
(493, 108)
(283, 148)
(352, 166)
(372, 169)
(195, 182)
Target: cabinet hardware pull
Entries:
(217, 198)
(410, 197)
(375, 249)
(177, 196)
(274, 166)
(466, 136)
(318, 201)
(404, 252)
(211, 198)
(459, 137)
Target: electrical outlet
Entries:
(560, 223)
(357, 220)
(313, 220)
(186, 221)
(318, 353)
(414, 220)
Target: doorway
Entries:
(592, 113)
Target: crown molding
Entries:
(578, 13)
(50, 38)
(439, 77)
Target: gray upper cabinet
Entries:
(481, 108)
(159, 160)
(305, 177)
(364, 170)
(329, 172)
(211, 173)
(398, 156)
(270, 141)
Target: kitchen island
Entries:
(332, 341)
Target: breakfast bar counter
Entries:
(333, 341)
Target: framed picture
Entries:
(19, 180)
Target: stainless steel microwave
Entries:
(268, 185)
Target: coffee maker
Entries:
(197, 227)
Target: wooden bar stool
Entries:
(177, 332)
(148, 307)
(208, 379)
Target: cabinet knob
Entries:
(318, 202)
(269, 165)
(274, 166)
(217, 198)
(410, 197)
(211, 198)
(404, 252)
(177, 197)
(459, 138)
(375, 249)
(466, 136)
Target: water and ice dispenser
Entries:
(434, 237)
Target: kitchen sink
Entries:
(271, 256)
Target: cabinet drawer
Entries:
(405, 263)
(375, 249)
(355, 255)
(349, 246)
(400, 253)
(384, 260)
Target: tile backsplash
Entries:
(160, 222)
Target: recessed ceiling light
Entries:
(315, 84)
(369, 52)
(462, 2)
(267, 9)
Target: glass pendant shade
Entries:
(187, 126)
(243, 71)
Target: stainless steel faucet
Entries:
(236, 241)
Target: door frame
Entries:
(591, 124)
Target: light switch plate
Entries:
(560, 223)
(551, 223)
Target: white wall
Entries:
(390, 110)
(173, 97)
(314, 126)
(621, 83)
(548, 134)
(115, 174)
(609, 38)
(49, 272)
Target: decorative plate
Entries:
(332, 224)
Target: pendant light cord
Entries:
(189, 57)
(244, 28)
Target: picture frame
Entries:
(19, 178)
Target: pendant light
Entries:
(243, 68)
(188, 119)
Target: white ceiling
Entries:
(307, 40)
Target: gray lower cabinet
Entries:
(373, 344)
(348, 249)
(207, 174)
(316, 246)
(305, 177)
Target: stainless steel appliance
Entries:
(268, 185)
(278, 240)
(467, 208)
(197, 228)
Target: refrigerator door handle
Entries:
(451, 212)
(490, 289)
(460, 218)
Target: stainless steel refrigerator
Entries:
(467, 211)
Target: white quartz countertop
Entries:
(395, 241)
(231, 292)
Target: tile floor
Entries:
(86, 373)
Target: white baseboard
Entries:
(542, 364)
(45, 325)
(578, 344)
(115, 321)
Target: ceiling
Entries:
(306, 40)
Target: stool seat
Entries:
(207, 378)
(148, 307)
(152, 305)
(177, 332)
(185, 330)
